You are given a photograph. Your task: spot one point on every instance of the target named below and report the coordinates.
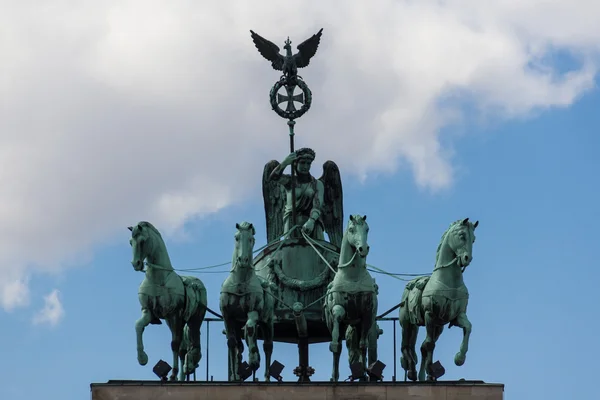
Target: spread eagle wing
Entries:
(268, 50)
(274, 197)
(333, 204)
(307, 50)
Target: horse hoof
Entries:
(459, 359)
(412, 375)
(143, 358)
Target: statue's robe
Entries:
(309, 201)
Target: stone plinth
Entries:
(449, 390)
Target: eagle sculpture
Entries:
(289, 63)
(332, 211)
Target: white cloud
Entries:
(52, 312)
(15, 293)
(117, 111)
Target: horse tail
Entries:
(405, 294)
(352, 344)
(203, 297)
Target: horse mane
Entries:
(245, 226)
(146, 224)
(356, 220)
(451, 228)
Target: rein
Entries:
(455, 259)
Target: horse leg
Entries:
(239, 334)
(253, 354)
(337, 314)
(410, 332)
(463, 322)
(232, 339)
(176, 326)
(193, 350)
(335, 372)
(268, 334)
(183, 349)
(409, 357)
(438, 329)
(140, 325)
(365, 328)
(372, 348)
(182, 362)
(427, 347)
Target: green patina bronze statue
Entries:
(351, 296)
(438, 300)
(180, 300)
(318, 202)
(246, 305)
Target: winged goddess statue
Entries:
(319, 202)
(289, 63)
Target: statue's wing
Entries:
(307, 50)
(333, 207)
(268, 50)
(274, 197)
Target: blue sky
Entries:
(120, 111)
(530, 183)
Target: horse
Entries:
(438, 300)
(246, 304)
(179, 300)
(350, 298)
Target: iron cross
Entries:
(290, 98)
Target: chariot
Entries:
(301, 276)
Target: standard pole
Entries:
(291, 124)
(303, 359)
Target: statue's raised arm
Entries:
(333, 203)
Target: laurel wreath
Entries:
(292, 283)
(291, 115)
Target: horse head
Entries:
(460, 240)
(244, 245)
(357, 233)
(141, 244)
